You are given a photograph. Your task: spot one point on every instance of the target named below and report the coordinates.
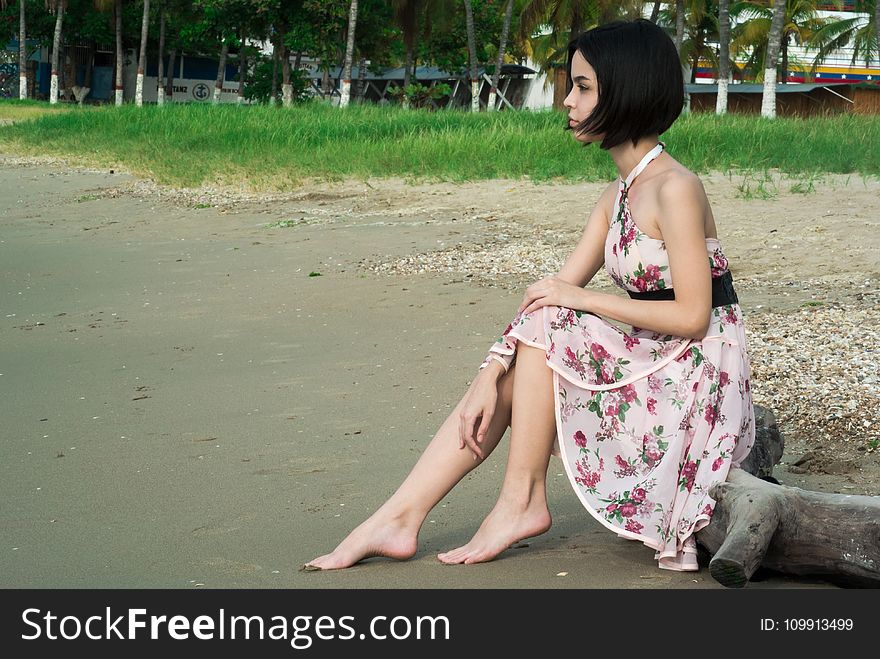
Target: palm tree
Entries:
(774, 38)
(723, 55)
(472, 56)
(407, 12)
(508, 13)
(349, 54)
(160, 75)
(679, 25)
(221, 70)
(801, 23)
(142, 56)
(566, 19)
(853, 31)
(58, 6)
(102, 6)
(22, 52)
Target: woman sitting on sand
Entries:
(647, 421)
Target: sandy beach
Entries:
(186, 405)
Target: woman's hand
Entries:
(553, 291)
(476, 415)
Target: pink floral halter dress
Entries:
(646, 423)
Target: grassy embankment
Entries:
(276, 148)
(14, 111)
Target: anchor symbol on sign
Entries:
(201, 92)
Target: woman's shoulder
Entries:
(676, 179)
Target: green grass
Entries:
(276, 148)
(15, 110)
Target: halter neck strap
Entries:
(653, 153)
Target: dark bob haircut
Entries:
(641, 89)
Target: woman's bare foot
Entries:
(505, 525)
(377, 536)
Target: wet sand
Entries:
(184, 406)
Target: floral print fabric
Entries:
(646, 423)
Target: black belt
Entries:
(722, 292)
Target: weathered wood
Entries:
(761, 524)
(768, 447)
(793, 531)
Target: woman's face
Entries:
(583, 97)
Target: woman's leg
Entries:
(521, 510)
(393, 529)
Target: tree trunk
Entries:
(172, 61)
(242, 69)
(56, 45)
(117, 85)
(274, 92)
(22, 52)
(142, 56)
(410, 28)
(679, 42)
(472, 56)
(784, 71)
(408, 67)
(493, 89)
(325, 81)
(221, 71)
(787, 529)
(679, 25)
(286, 87)
(362, 78)
(90, 63)
(160, 78)
(349, 55)
(760, 524)
(774, 39)
(655, 11)
(723, 55)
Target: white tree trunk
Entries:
(774, 41)
(160, 78)
(221, 73)
(472, 56)
(117, 86)
(349, 55)
(768, 100)
(56, 45)
(721, 99)
(723, 55)
(490, 106)
(142, 56)
(286, 85)
(22, 53)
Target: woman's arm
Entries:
(682, 206)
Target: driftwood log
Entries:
(758, 523)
